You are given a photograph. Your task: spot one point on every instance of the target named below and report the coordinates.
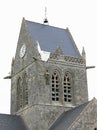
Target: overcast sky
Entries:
(80, 16)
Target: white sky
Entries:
(80, 16)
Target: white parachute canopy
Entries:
(44, 54)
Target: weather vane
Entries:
(45, 19)
(45, 11)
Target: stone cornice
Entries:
(67, 59)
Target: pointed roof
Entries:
(67, 118)
(50, 38)
(11, 122)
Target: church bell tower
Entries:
(48, 75)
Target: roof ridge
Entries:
(65, 114)
(84, 109)
(47, 25)
(5, 114)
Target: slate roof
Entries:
(11, 122)
(67, 118)
(50, 38)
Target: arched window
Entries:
(67, 87)
(25, 90)
(19, 93)
(95, 128)
(22, 91)
(55, 86)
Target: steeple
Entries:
(49, 78)
(45, 19)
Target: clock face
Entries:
(22, 50)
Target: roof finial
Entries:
(45, 19)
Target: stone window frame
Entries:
(22, 91)
(25, 89)
(67, 86)
(61, 92)
(19, 93)
(55, 85)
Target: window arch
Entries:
(55, 86)
(19, 93)
(67, 87)
(25, 90)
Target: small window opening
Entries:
(67, 87)
(55, 87)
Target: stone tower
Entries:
(48, 75)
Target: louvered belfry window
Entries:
(55, 86)
(25, 90)
(22, 91)
(19, 94)
(67, 87)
